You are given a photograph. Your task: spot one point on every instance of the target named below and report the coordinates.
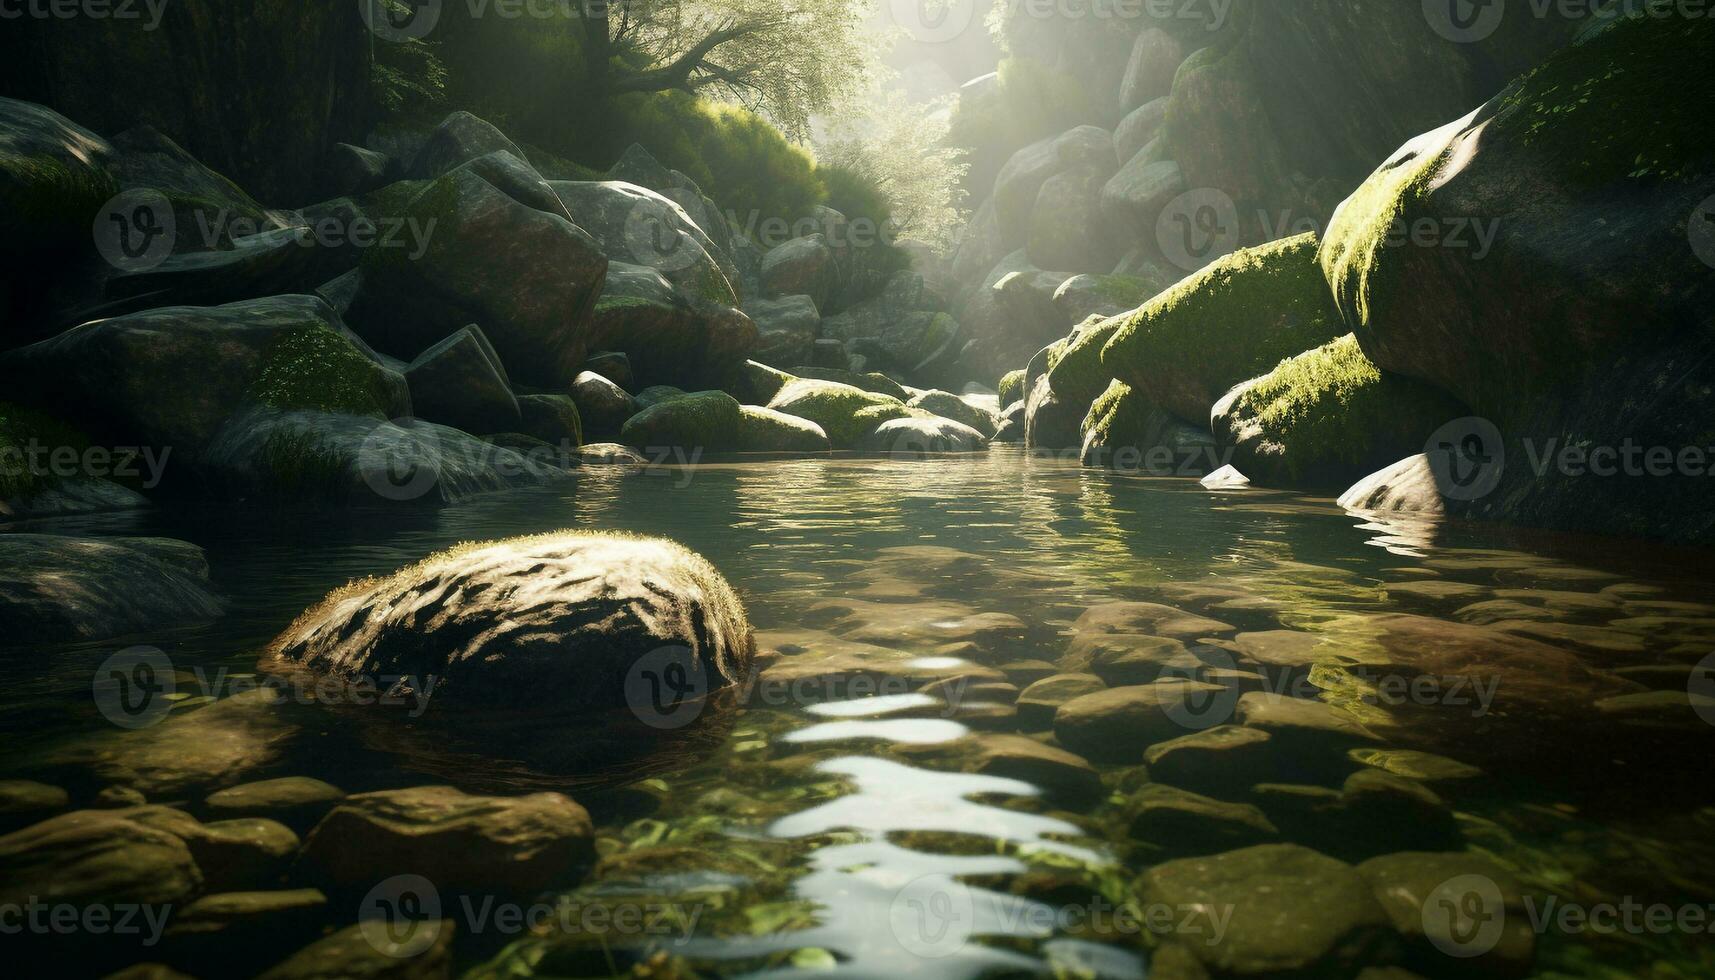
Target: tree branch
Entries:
(678, 73)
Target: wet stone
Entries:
(23, 802)
(1292, 909)
(1038, 702)
(296, 801)
(1183, 823)
(368, 951)
(1223, 761)
(1118, 724)
(1463, 905)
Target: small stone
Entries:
(1224, 760)
(23, 802)
(1182, 823)
(1118, 724)
(1226, 478)
(296, 801)
(117, 797)
(1038, 702)
(253, 927)
(371, 951)
(462, 843)
(1123, 659)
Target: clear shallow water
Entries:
(821, 831)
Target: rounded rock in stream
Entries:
(559, 620)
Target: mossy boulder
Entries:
(174, 376)
(703, 420)
(846, 414)
(1327, 417)
(764, 430)
(54, 177)
(914, 436)
(530, 278)
(804, 266)
(950, 406)
(1539, 259)
(873, 381)
(555, 621)
(1230, 322)
(639, 226)
(554, 419)
(1011, 387)
(1125, 430)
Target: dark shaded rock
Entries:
(248, 926)
(54, 589)
(801, 267)
(460, 138)
(701, 421)
(613, 365)
(602, 405)
(23, 802)
(554, 419)
(1187, 824)
(1038, 702)
(531, 279)
(370, 951)
(460, 382)
(296, 801)
(1118, 724)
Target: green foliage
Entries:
(22, 429)
(1624, 104)
(316, 369)
(736, 156)
(855, 195)
(407, 78)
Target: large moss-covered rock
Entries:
(1237, 318)
(55, 588)
(528, 277)
(174, 376)
(846, 414)
(1327, 417)
(554, 621)
(1538, 258)
(708, 421)
(950, 406)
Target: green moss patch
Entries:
(845, 413)
(1075, 370)
(1228, 323)
(705, 420)
(316, 369)
(1329, 415)
(1011, 387)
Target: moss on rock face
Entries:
(1011, 387)
(1327, 417)
(1126, 430)
(1229, 322)
(1075, 370)
(314, 368)
(701, 420)
(845, 413)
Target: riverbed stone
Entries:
(1183, 824)
(555, 620)
(1292, 910)
(1038, 702)
(461, 842)
(1149, 618)
(90, 857)
(1128, 658)
(1300, 724)
(296, 801)
(1118, 724)
(919, 626)
(366, 952)
(24, 801)
(1223, 761)
(1430, 897)
(845, 413)
(251, 926)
